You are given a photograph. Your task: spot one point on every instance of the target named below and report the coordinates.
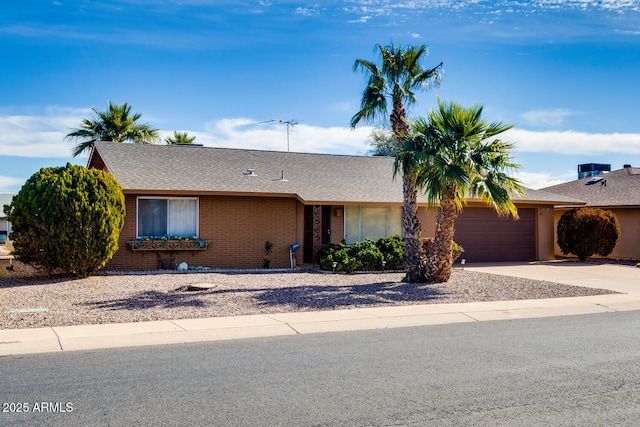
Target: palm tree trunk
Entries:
(413, 262)
(438, 268)
(413, 254)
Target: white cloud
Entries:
(361, 20)
(246, 133)
(538, 180)
(496, 6)
(547, 117)
(575, 143)
(8, 184)
(42, 135)
(307, 11)
(39, 135)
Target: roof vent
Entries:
(251, 172)
(627, 166)
(594, 180)
(282, 178)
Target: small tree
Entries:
(588, 231)
(67, 219)
(382, 143)
(268, 248)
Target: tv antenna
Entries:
(288, 123)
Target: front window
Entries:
(159, 217)
(373, 222)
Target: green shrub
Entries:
(325, 255)
(392, 249)
(67, 219)
(588, 231)
(268, 248)
(341, 255)
(367, 254)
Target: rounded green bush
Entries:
(368, 255)
(392, 249)
(341, 255)
(67, 219)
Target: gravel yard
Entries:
(135, 298)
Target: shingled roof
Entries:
(617, 188)
(313, 178)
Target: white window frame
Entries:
(197, 200)
(360, 237)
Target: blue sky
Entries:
(564, 72)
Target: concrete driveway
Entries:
(619, 278)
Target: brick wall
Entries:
(236, 229)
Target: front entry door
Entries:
(317, 232)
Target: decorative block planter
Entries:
(186, 244)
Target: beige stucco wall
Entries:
(545, 228)
(628, 246)
(337, 224)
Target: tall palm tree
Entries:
(179, 138)
(398, 76)
(457, 158)
(116, 124)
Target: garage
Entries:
(487, 237)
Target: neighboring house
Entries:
(617, 191)
(5, 225)
(236, 200)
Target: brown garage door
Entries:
(485, 236)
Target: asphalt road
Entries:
(571, 370)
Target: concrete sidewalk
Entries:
(624, 279)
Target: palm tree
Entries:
(457, 157)
(116, 124)
(180, 138)
(398, 76)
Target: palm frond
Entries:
(115, 124)
(397, 75)
(458, 159)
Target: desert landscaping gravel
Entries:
(143, 297)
